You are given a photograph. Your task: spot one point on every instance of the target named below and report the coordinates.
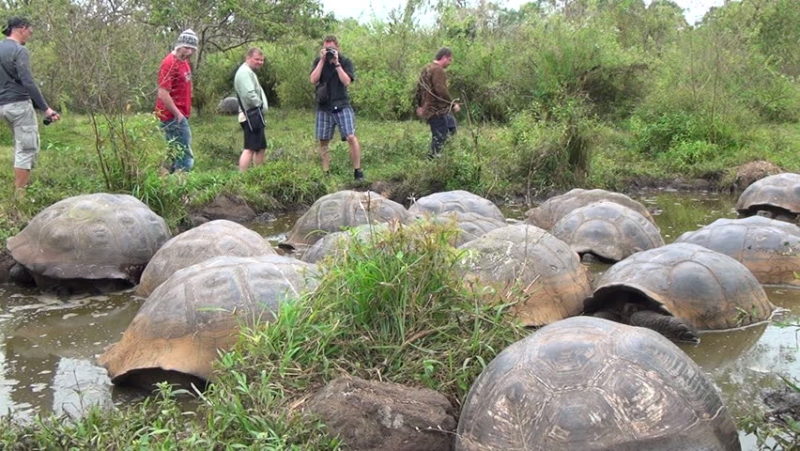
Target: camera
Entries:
(329, 54)
(48, 120)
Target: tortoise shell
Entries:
(705, 288)
(470, 225)
(550, 211)
(550, 275)
(459, 200)
(776, 193)
(334, 244)
(607, 229)
(198, 310)
(588, 383)
(92, 236)
(769, 248)
(212, 239)
(333, 212)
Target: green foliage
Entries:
(774, 432)
(689, 157)
(548, 155)
(156, 422)
(393, 306)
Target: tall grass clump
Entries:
(547, 155)
(392, 308)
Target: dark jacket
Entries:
(16, 80)
(432, 93)
(337, 92)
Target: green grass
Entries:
(395, 307)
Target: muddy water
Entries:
(47, 347)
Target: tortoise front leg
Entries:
(669, 326)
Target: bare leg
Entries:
(258, 157)
(244, 159)
(325, 155)
(21, 177)
(355, 151)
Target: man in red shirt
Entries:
(174, 102)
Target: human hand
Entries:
(51, 115)
(420, 111)
(456, 108)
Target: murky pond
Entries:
(48, 346)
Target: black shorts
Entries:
(256, 139)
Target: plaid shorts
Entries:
(345, 118)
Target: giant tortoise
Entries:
(525, 260)
(458, 200)
(212, 239)
(590, 384)
(336, 244)
(678, 288)
(99, 237)
(469, 226)
(776, 196)
(769, 248)
(342, 209)
(607, 230)
(195, 313)
(550, 211)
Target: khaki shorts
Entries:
(22, 118)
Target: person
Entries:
(332, 73)
(19, 95)
(434, 103)
(174, 100)
(253, 106)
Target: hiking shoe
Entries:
(358, 174)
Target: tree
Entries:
(227, 24)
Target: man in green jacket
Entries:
(253, 106)
(434, 103)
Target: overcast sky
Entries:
(364, 10)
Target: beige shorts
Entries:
(22, 118)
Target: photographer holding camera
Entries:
(332, 73)
(19, 95)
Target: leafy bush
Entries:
(689, 157)
(669, 130)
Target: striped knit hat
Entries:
(187, 39)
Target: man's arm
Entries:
(247, 88)
(26, 79)
(165, 76)
(345, 71)
(166, 98)
(316, 69)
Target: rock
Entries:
(226, 206)
(782, 403)
(748, 173)
(228, 105)
(384, 416)
(6, 262)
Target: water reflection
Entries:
(48, 350)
